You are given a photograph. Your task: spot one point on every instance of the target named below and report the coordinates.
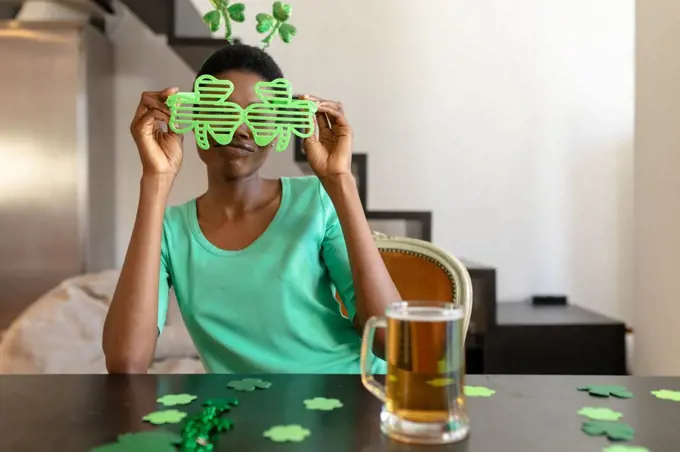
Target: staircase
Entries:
(170, 17)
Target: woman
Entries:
(254, 262)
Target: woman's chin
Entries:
(238, 168)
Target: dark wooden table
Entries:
(527, 413)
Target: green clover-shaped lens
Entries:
(279, 115)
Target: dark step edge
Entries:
(424, 218)
(157, 15)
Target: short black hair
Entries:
(241, 57)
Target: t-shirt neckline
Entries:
(258, 243)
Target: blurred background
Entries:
(502, 132)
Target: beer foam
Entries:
(423, 313)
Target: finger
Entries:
(159, 96)
(336, 117)
(309, 97)
(313, 139)
(312, 142)
(156, 104)
(157, 134)
(319, 101)
(141, 107)
(167, 92)
(308, 143)
(321, 122)
(149, 119)
(337, 106)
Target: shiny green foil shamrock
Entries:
(223, 11)
(200, 431)
(275, 22)
(222, 405)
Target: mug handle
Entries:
(367, 379)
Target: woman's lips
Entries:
(237, 150)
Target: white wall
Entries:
(511, 121)
(657, 184)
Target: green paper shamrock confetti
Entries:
(625, 448)
(276, 22)
(667, 394)
(248, 384)
(607, 390)
(279, 115)
(165, 417)
(478, 391)
(322, 404)
(176, 399)
(615, 431)
(600, 414)
(440, 382)
(285, 433)
(207, 112)
(156, 441)
(223, 11)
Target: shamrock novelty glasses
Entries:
(207, 112)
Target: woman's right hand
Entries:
(160, 151)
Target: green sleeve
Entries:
(164, 284)
(334, 255)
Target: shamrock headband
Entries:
(207, 111)
(271, 24)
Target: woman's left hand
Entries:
(329, 150)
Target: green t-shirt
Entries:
(271, 307)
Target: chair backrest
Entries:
(424, 272)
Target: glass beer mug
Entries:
(423, 394)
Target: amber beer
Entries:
(423, 396)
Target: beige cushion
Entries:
(62, 331)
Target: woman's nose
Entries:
(243, 132)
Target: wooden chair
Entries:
(424, 272)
